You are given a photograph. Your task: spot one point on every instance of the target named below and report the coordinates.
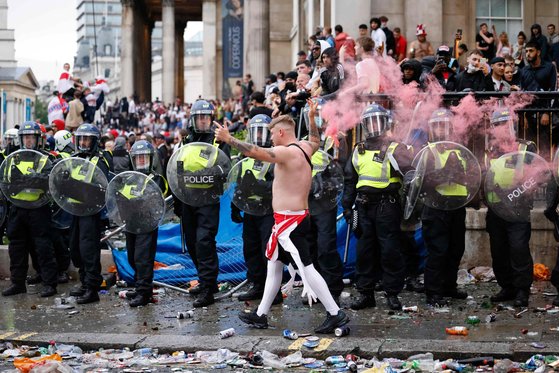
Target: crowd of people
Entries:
(305, 138)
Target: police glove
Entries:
(348, 215)
(236, 216)
(551, 214)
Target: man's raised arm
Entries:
(314, 136)
(262, 154)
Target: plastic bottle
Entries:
(457, 330)
(144, 352)
(427, 355)
(271, 360)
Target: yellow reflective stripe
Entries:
(249, 163)
(374, 174)
(319, 162)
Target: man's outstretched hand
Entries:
(221, 133)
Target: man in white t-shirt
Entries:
(378, 36)
(368, 73)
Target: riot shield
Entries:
(514, 182)
(448, 177)
(24, 178)
(3, 209)
(250, 186)
(135, 201)
(78, 186)
(327, 183)
(197, 173)
(413, 182)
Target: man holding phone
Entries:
(473, 78)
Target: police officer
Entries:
(373, 178)
(11, 143)
(509, 241)
(254, 185)
(323, 240)
(443, 231)
(29, 228)
(85, 234)
(141, 247)
(200, 224)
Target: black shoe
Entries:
(63, 277)
(278, 299)
(140, 300)
(556, 301)
(413, 284)
(252, 319)
(393, 302)
(503, 295)
(131, 294)
(456, 294)
(78, 291)
(254, 292)
(521, 299)
(14, 289)
(332, 322)
(89, 296)
(34, 280)
(199, 288)
(204, 299)
(379, 286)
(48, 291)
(364, 301)
(435, 300)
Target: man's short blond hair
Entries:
(282, 119)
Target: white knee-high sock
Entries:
(317, 283)
(271, 287)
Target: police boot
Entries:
(78, 291)
(89, 296)
(34, 280)
(364, 301)
(503, 295)
(435, 300)
(47, 291)
(456, 294)
(63, 277)
(254, 292)
(140, 300)
(14, 289)
(332, 322)
(204, 299)
(413, 284)
(521, 299)
(393, 302)
(252, 319)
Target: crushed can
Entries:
(290, 334)
(185, 315)
(342, 331)
(490, 318)
(410, 309)
(333, 360)
(352, 366)
(226, 333)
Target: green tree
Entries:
(41, 112)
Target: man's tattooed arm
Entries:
(314, 135)
(253, 151)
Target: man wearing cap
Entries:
(495, 81)
(444, 74)
(421, 47)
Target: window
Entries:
(108, 49)
(107, 73)
(506, 15)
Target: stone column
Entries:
(168, 66)
(127, 86)
(257, 40)
(179, 64)
(209, 18)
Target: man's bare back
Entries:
(292, 180)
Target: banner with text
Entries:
(232, 41)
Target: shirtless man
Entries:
(290, 193)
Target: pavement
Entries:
(111, 323)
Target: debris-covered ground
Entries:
(111, 336)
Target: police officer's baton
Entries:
(346, 248)
(121, 228)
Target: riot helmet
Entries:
(87, 138)
(259, 131)
(201, 116)
(440, 125)
(318, 120)
(30, 135)
(142, 155)
(63, 142)
(11, 140)
(375, 121)
(505, 117)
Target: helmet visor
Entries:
(375, 125)
(202, 123)
(85, 143)
(259, 135)
(141, 162)
(508, 122)
(440, 129)
(29, 141)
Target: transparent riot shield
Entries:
(250, 186)
(515, 182)
(24, 178)
(135, 201)
(197, 173)
(78, 186)
(327, 183)
(448, 177)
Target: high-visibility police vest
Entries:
(25, 168)
(449, 189)
(78, 174)
(374, 172)
(131, 191)
(258, 168)
(504, 176)
(320, 161)
(194, 160)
